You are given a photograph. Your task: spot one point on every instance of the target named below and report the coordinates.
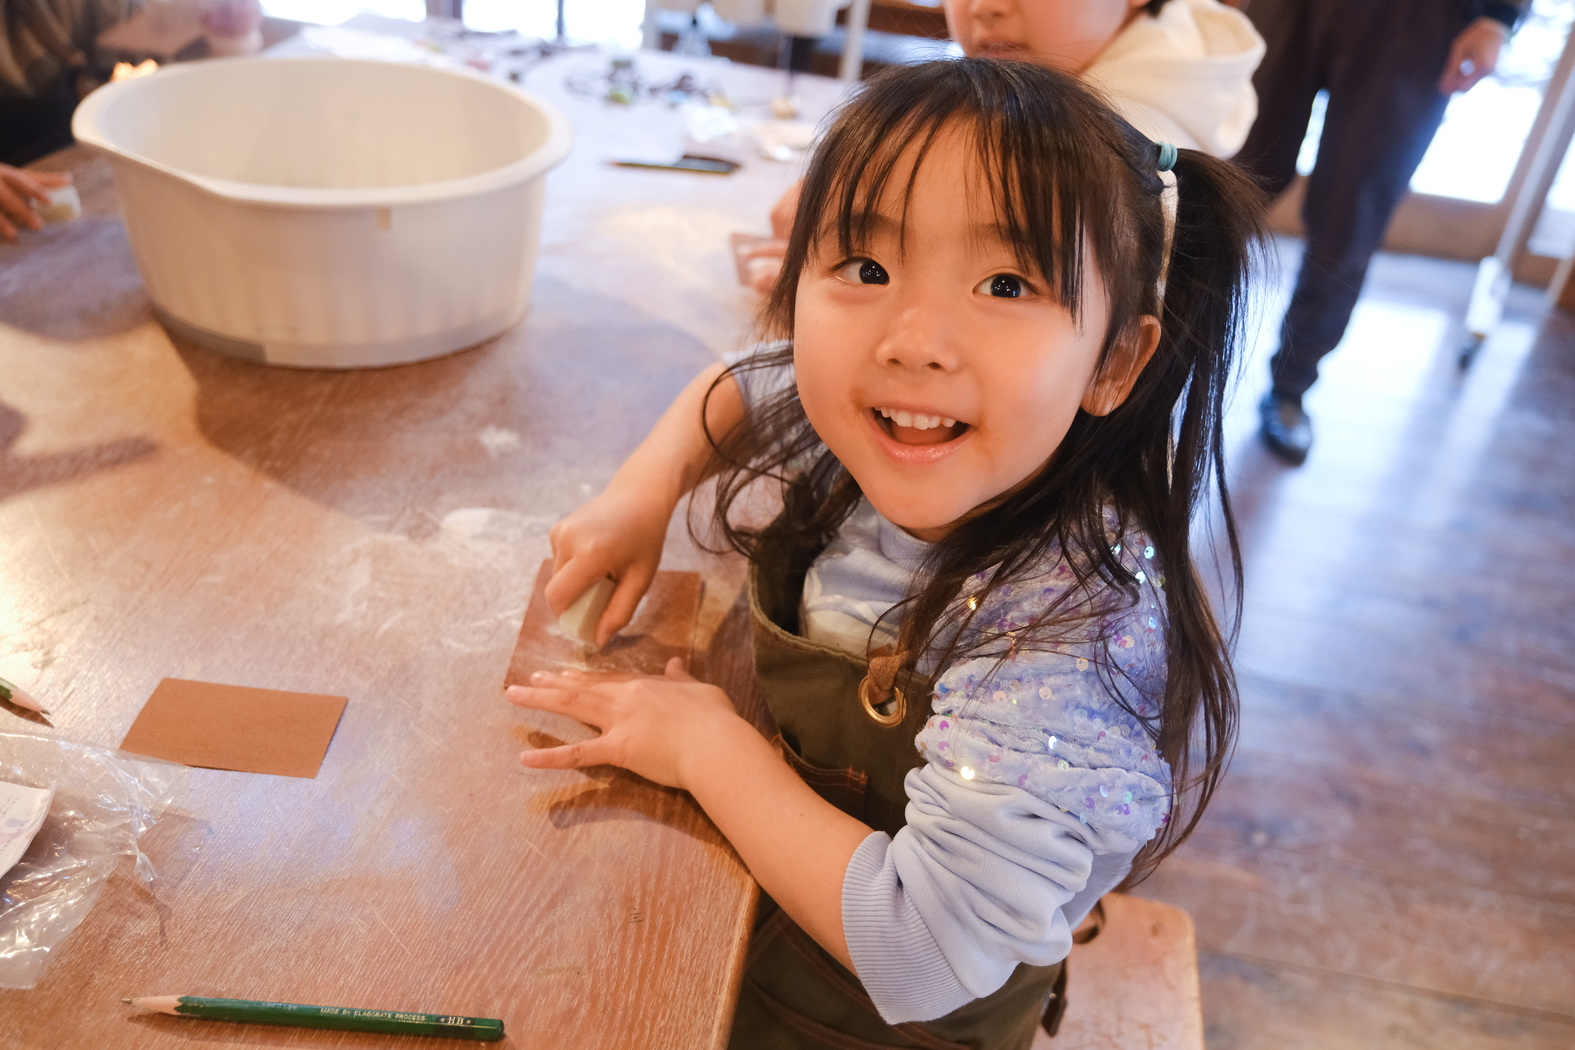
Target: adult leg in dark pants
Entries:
(1380, 61)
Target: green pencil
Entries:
(345, 1018)
(19, 697)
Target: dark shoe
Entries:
(1285, 427)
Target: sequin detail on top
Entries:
(1047, 722)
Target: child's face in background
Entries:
(935, 385)
(1062, 34)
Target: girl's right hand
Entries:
(620, 534)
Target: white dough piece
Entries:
(580, 619)
(64, 203)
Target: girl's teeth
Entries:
(916, 420)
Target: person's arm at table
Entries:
(620, 532)
(17, 188)
(764, 260)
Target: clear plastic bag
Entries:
(104, 801)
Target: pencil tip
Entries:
(126, 1001)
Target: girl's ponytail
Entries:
(1216, 242)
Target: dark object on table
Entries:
(688, 162)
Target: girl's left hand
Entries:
(650, 725)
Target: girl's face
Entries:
(1062, 34)
(940, 373)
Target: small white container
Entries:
(329, 212)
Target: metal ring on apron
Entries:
(867, 690)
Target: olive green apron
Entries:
(854, 750)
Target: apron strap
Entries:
(816, 958)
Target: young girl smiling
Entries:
(992, 410)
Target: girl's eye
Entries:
(864, 271)
(1002, 286)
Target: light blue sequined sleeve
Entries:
(1051, 722)
(1051, 729)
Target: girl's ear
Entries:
(1114, 381)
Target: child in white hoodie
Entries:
(1179, 71)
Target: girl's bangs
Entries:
(1027, 171)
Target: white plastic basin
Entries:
(328, 212)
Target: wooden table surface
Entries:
(165, 511)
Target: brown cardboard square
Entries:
(236, 727)
(663, 627)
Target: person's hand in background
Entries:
(18, 189)
(1473, 55)
(232, 18)
(763, 264)
(764, 260)
(232, 27)
(783, 211)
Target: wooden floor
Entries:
(1391, 860)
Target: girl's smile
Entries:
(933, 365)
(917, 428)
(915, 444)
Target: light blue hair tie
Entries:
(1169, 197)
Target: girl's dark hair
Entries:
(1068, 177)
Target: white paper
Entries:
(22, 812)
